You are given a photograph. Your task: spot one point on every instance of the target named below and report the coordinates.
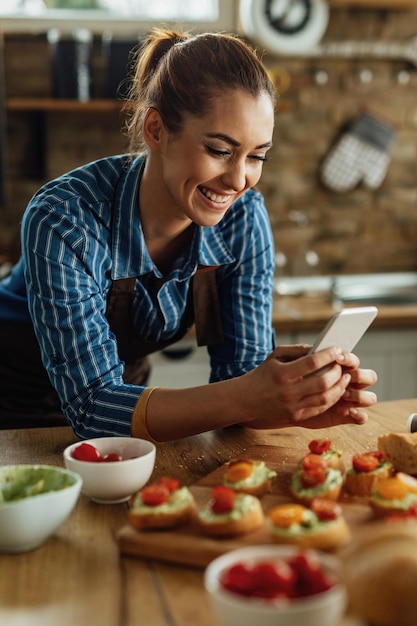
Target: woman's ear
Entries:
(153, 129)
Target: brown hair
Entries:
(179, 73)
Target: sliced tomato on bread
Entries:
(154, 495)
(313, 461)
(367, 461)
(319, 446)
(238, 470)
(326, 510)
(222, 499)
(286, 515)
(313, 477)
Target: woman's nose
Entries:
(235, 177)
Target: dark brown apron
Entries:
(26, 395)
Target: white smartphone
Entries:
(345, 328)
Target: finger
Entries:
(286, 354)
(312, 363)
(348, 360)
(315, 404)
(360, 397)
(362, 378)
(341, 416)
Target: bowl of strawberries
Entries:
(268, 585)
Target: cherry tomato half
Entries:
(313, 477)
(326, 510)
(313, 462)
(367, 461)
(172, 484)
(86, 452)
(154, 495)
(111, 457)
(319, 446)
(222, 499)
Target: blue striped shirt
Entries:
(83, 230)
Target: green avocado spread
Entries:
(179, 499)
(401, 505)
(382, 467)
(310, 524)
(333, 479)
(22, 481)
(260, 473)
(242, 505)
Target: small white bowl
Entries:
(27, 521)
(110, 483)
(322, 609)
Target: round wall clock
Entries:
(284, 26)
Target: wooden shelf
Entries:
(374, 4)
(54, 104)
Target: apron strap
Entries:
(207, 315)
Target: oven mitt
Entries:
(362, 154)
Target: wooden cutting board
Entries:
(188, 546)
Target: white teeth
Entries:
(214, 197)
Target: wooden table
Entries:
(78, 578)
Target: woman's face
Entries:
(216, 158)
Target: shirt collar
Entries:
(129, 252)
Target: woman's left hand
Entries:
(351, 406)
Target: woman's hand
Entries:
(289, 391)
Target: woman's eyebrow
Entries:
(235, 143)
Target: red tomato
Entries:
(311, 578)
(154, 495)
(237, 579)
(326, 509)
(222, 499)
(314, 477)
(172, 484)
(367, 461)
(313, 462)
(86, 452)
(273, 580)
(111, 457)
(299, 576)
(318, 446)
(410, 514)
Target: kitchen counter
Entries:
(310, 313)
(79, 575)
(305, 303)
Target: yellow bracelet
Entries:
(139, 428)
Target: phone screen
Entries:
(345, 328)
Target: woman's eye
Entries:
(216, 152)
(259, 157)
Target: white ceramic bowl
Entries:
(114, 482)
(323, 609)
(27, 521)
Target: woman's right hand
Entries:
(284, 390)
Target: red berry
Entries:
(111, 457)
(222, 499)
(86, 452)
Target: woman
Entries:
(121, 256)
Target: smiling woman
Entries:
(138, 247)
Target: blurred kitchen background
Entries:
(346, 72)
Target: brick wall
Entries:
(363, 230)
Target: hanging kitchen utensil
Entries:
(284, 26)
(361, 154)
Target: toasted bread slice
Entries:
(239, 521)
(180, 509)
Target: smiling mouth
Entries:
(214, 197)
